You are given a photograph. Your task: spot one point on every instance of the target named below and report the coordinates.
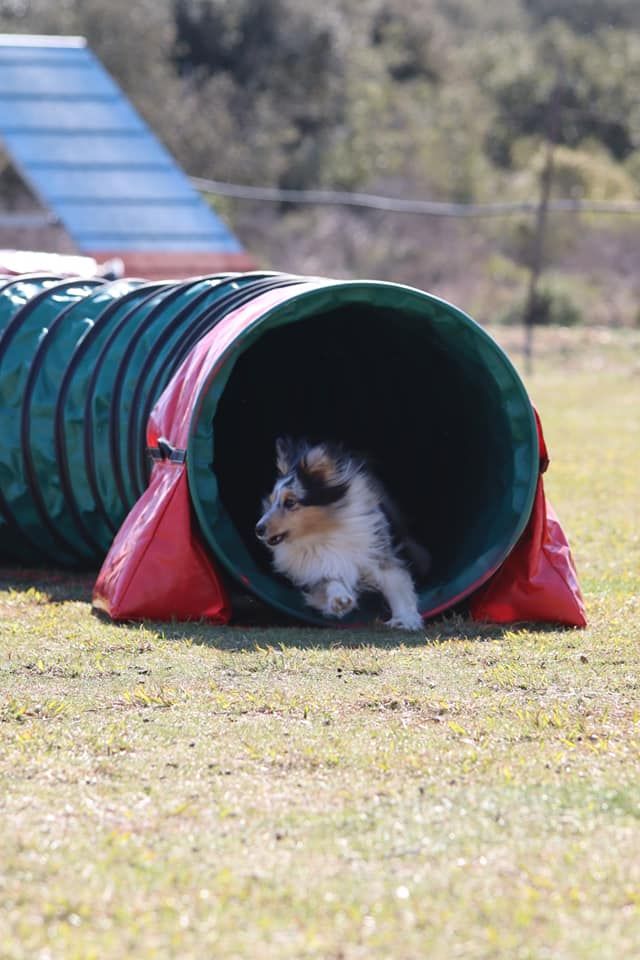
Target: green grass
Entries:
(192, 792)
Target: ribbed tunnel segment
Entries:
(381, 368)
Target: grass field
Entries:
(193, 792)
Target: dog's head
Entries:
(312, 482)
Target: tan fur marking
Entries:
(304, 522)
(313, 521)
(319, 463)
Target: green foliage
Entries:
(282, 67)
(442, 99)
(412, 42)
(555, 305)
(565, 88)
(434, 92)
(588, 172)
(593, 175)
(585, 16)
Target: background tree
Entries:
(444, 99)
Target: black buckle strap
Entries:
(166, 451)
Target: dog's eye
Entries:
(290, 503)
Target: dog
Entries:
(335, 533)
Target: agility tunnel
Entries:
(148, 413)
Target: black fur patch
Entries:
(317, 493)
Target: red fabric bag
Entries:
(157, 568)
(538, 581)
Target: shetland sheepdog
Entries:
(334, 532)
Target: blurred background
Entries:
(459, 101)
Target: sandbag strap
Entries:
(166, 451)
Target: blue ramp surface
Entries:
(91, 159)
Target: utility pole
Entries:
(537, 255)
(542, 211)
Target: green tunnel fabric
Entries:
(393, 372)
(401, 374)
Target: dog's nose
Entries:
(261, 529)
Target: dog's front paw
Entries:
(411, 621)
(340, 601)
(341, 604)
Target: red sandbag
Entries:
(157, 568)
(538, 580)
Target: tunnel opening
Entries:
(418, 389)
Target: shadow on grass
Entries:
(59, 586)
(308, 637)
(279, 633)
(255, 624)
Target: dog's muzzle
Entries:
(274, 541)
(261, 531)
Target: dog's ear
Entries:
(319, 462)
(285, 455)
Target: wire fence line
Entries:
(341, 198)
(431, 208)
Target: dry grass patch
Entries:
(187, 791)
